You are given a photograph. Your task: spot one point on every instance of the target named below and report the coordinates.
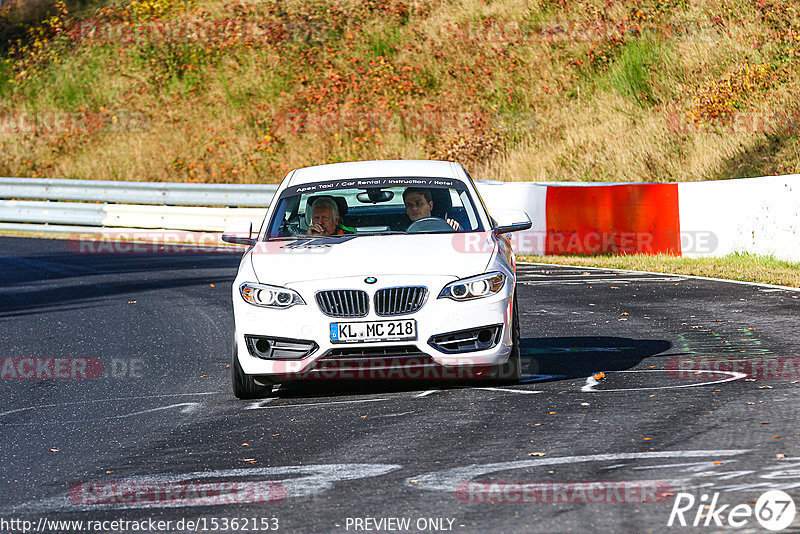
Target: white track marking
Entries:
(687, 465)
(393, 414)
(591, 382)
(188, 408)
(320, 478)
(426, 393)
(449, 479)
(37, 406)
(259, 404)
(689, 276)
(519, 391)
(382, 399)
(529, 379)
(599, 281)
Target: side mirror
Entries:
(239, 233)
(510, 221)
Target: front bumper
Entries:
(307, 323)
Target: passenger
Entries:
(325, 218)
(419, 205)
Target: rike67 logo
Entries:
(774, 510)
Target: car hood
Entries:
(457, 255)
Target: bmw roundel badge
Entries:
(370, 279)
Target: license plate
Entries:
(371, 331)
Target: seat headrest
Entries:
(441, 202)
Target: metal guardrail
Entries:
(170, 194)
(21, 211)
(96, 203)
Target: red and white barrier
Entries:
(756, 215)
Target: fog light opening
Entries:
(263, 345)
(485, 336)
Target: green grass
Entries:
(6, 75)
(632, 74)
(737, 266)
(383, 43)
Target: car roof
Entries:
(375, 169)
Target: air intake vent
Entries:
(399, 300)
(471, 340)
(343, 302)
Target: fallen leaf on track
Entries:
(537, 454)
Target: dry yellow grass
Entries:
(527, 92)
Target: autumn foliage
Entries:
(240, 92)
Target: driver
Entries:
(325, 218)
(419, 205)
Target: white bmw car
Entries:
(380, 269)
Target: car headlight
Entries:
(269, 296)
(475, 287)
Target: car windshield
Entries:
(374, 206)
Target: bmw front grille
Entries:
(399, 300)
(343, 302)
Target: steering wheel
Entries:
(429, 224)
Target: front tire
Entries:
(244, 385)
(511, 371)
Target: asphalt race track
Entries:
(151, 332)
